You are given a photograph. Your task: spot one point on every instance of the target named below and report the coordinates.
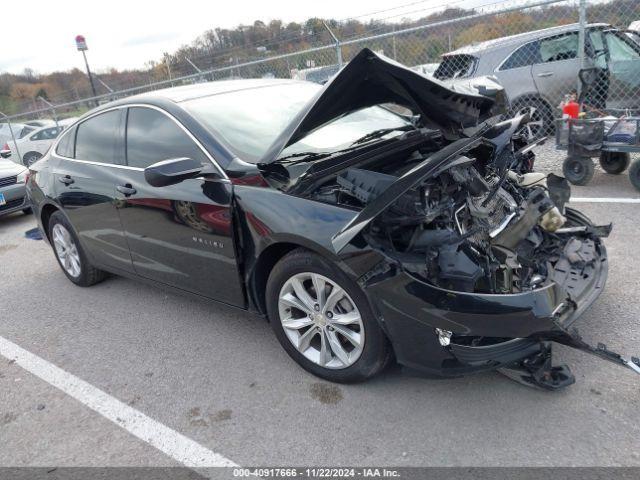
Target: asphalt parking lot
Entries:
(219, 378)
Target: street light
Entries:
(81, 45)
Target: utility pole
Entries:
(81, 45)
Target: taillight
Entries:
(6, 146)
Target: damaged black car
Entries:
(384, 216)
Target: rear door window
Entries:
(97, 138)
(558, 48)
(152, 137)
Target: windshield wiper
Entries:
(382, 132)
(308, 157)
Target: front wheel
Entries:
(614, 162)
(323, 319)
(578, 170)
(69, 253)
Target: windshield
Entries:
(248, 121)
(367, 124)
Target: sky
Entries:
(128, 33)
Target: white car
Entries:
(19, 131)
(34, 145)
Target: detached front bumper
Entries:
(512, 326)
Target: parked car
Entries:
(33, 145)
(13, 196)
(19, 131)
(537, 69)
(360, 233)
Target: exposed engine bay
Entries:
(473, 226)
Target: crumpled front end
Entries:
(482, 265)
(450, 332)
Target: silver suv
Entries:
(537, 69)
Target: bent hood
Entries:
(372, 79)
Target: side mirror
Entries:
(170, 172)
(5, 153)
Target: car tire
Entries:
(346, 314)
(578, 170)
(69, 253)
(614, 162)
(542, 117)
(30, 158)
(634, 174)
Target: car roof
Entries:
(520, 38)
(218, 87)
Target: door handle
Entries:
(126, 190)
(545, 74)
(67, 180)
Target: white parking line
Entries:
(603, 200)
(168, 441)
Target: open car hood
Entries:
(372, 79)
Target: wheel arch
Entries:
(30, 152)
(46, 211)
(529, 97)
(262, 268)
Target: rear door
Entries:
(556, 72)
(515, 75)
(91, 157)
(180, 235)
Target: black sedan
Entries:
(384, 215)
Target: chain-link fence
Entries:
(544, 53)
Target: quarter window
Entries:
(153, 137)
(96, 138)
(524, 56)
(65, 146)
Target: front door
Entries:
(180, 235)
(623, 58)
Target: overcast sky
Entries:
(40, 34)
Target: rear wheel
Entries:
(69, 253)
(323, 319)
(578, 170)
(634, 174)
(614, 162)
(540, 114)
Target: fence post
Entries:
(13, 137)
(338, 45)
(53, 110)
(582, 20)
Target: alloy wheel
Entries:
(321, 320)
(66, 250)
